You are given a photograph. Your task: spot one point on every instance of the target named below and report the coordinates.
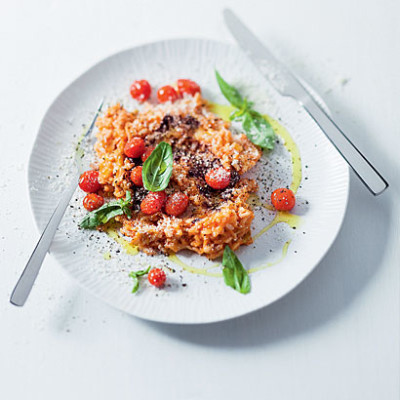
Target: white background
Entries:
(334, 337)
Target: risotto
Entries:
(200, 142)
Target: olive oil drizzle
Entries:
(281, 216)
(272, 263)
(224, 111)
(206, 271)
(199, 271)
(126, 245)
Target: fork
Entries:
(32, 268)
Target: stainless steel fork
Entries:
(32, 268)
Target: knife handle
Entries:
(368, 174)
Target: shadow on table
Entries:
(346, 269)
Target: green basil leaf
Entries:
(109, 214)
(100, 216)
(157, 169)
(258, 130)
(126, 210)
(106, 212)
(135, 276)
(126, 205)
(238, 114)
(135, 284)
(235, 115)
(142, 272)
(128, 197)
(230, 92)
(234, 273)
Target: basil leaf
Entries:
(230, 92)
(135, 276)
(142, 272)
(234, 274)
(258, 130)
(135, 283)
(239, 114)
(125, 205)
(157, 169)
(109, 214)
(100, 216)
(128, 197)
(106, 212)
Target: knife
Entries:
(288, 85)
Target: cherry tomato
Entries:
(135, 147)
(147, 153)
(218, 178)
(283, 199)
(89, 181)
(157, 277)
(176, 204)
(140, 90)
(167, 93)
(187, 86)
(153, 202)
(92, 201)
(136, 176)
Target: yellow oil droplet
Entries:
(200, 271)
(292, 148)
(281, 216)
(126, 245)
(107, 255)
(271, 264)
(222, 110)
(205, 271)
(254, 200)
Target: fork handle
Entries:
(368, 174)
(32, 268)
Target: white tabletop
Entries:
(335, 337)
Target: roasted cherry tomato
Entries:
(92, 201)
(283, 199)
(135, 147)
(187, 86)
(176, 204)
(166, 93)
(147, 153)
(153, 202)
(218, 178)
(157, 277)
(136, 176)
(89, 181)
(140, 90)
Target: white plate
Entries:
(322, 197)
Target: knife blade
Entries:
(286, 83)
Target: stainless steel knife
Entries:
(288, 85)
